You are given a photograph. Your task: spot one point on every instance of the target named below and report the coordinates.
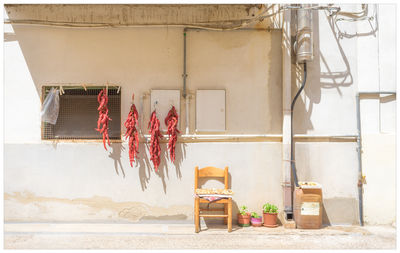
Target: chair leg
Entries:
(225, 212)
(197, 214)
(230, 215)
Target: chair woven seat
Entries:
(214, 191)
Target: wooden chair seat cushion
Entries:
(214, 191)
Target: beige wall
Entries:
(82, 181)
(143, 59)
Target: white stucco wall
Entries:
(47, 181)
(362, 60)
(378, 117)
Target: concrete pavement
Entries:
(182, 236)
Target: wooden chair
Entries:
(212, 172)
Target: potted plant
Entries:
(256, 220)
(270, 213)
(243, 217)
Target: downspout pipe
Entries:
(359, 150)
(184, 75)
(360, 183)
(292, 156)
(304, 52)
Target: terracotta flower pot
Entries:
(270, 220)
(244, 220)
(256, 222)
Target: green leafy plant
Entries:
(269, 208)
(255, 215)
(243, 210)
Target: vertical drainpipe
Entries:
(304, 53)
(286, 118)
(359, 184)
(184, 75)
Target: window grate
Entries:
(77, 118)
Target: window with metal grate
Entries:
(77, 118)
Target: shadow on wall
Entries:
(115, 154)
(367, 16)
(275, 81)
(321, 74)
(145, 165)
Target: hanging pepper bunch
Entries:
(102, 98)
(171, 121)
(155, 150)
(132, 132)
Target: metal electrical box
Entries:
(210, 111)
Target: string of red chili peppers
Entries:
(132, 133)
(103, 120)
(171, 121)
(155, 150)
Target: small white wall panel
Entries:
(210, 110)
(162, 100)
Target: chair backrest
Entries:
(210, 172)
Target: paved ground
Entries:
(182, 236)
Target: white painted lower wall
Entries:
(83, 182)
(46, 180)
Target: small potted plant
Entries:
(270, 213)
(243, 217)
(256, 220)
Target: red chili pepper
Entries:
(171, 121)
(155, 150)
(132, 133)
(102, 98)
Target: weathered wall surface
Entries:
(144, 14)
(75, 182)
(82, 181)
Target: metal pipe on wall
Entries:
(245, 136)
(304, 53)
(359, 184)
(304, 40)
(184, 75)
(286, 118)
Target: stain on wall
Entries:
(95, 208)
